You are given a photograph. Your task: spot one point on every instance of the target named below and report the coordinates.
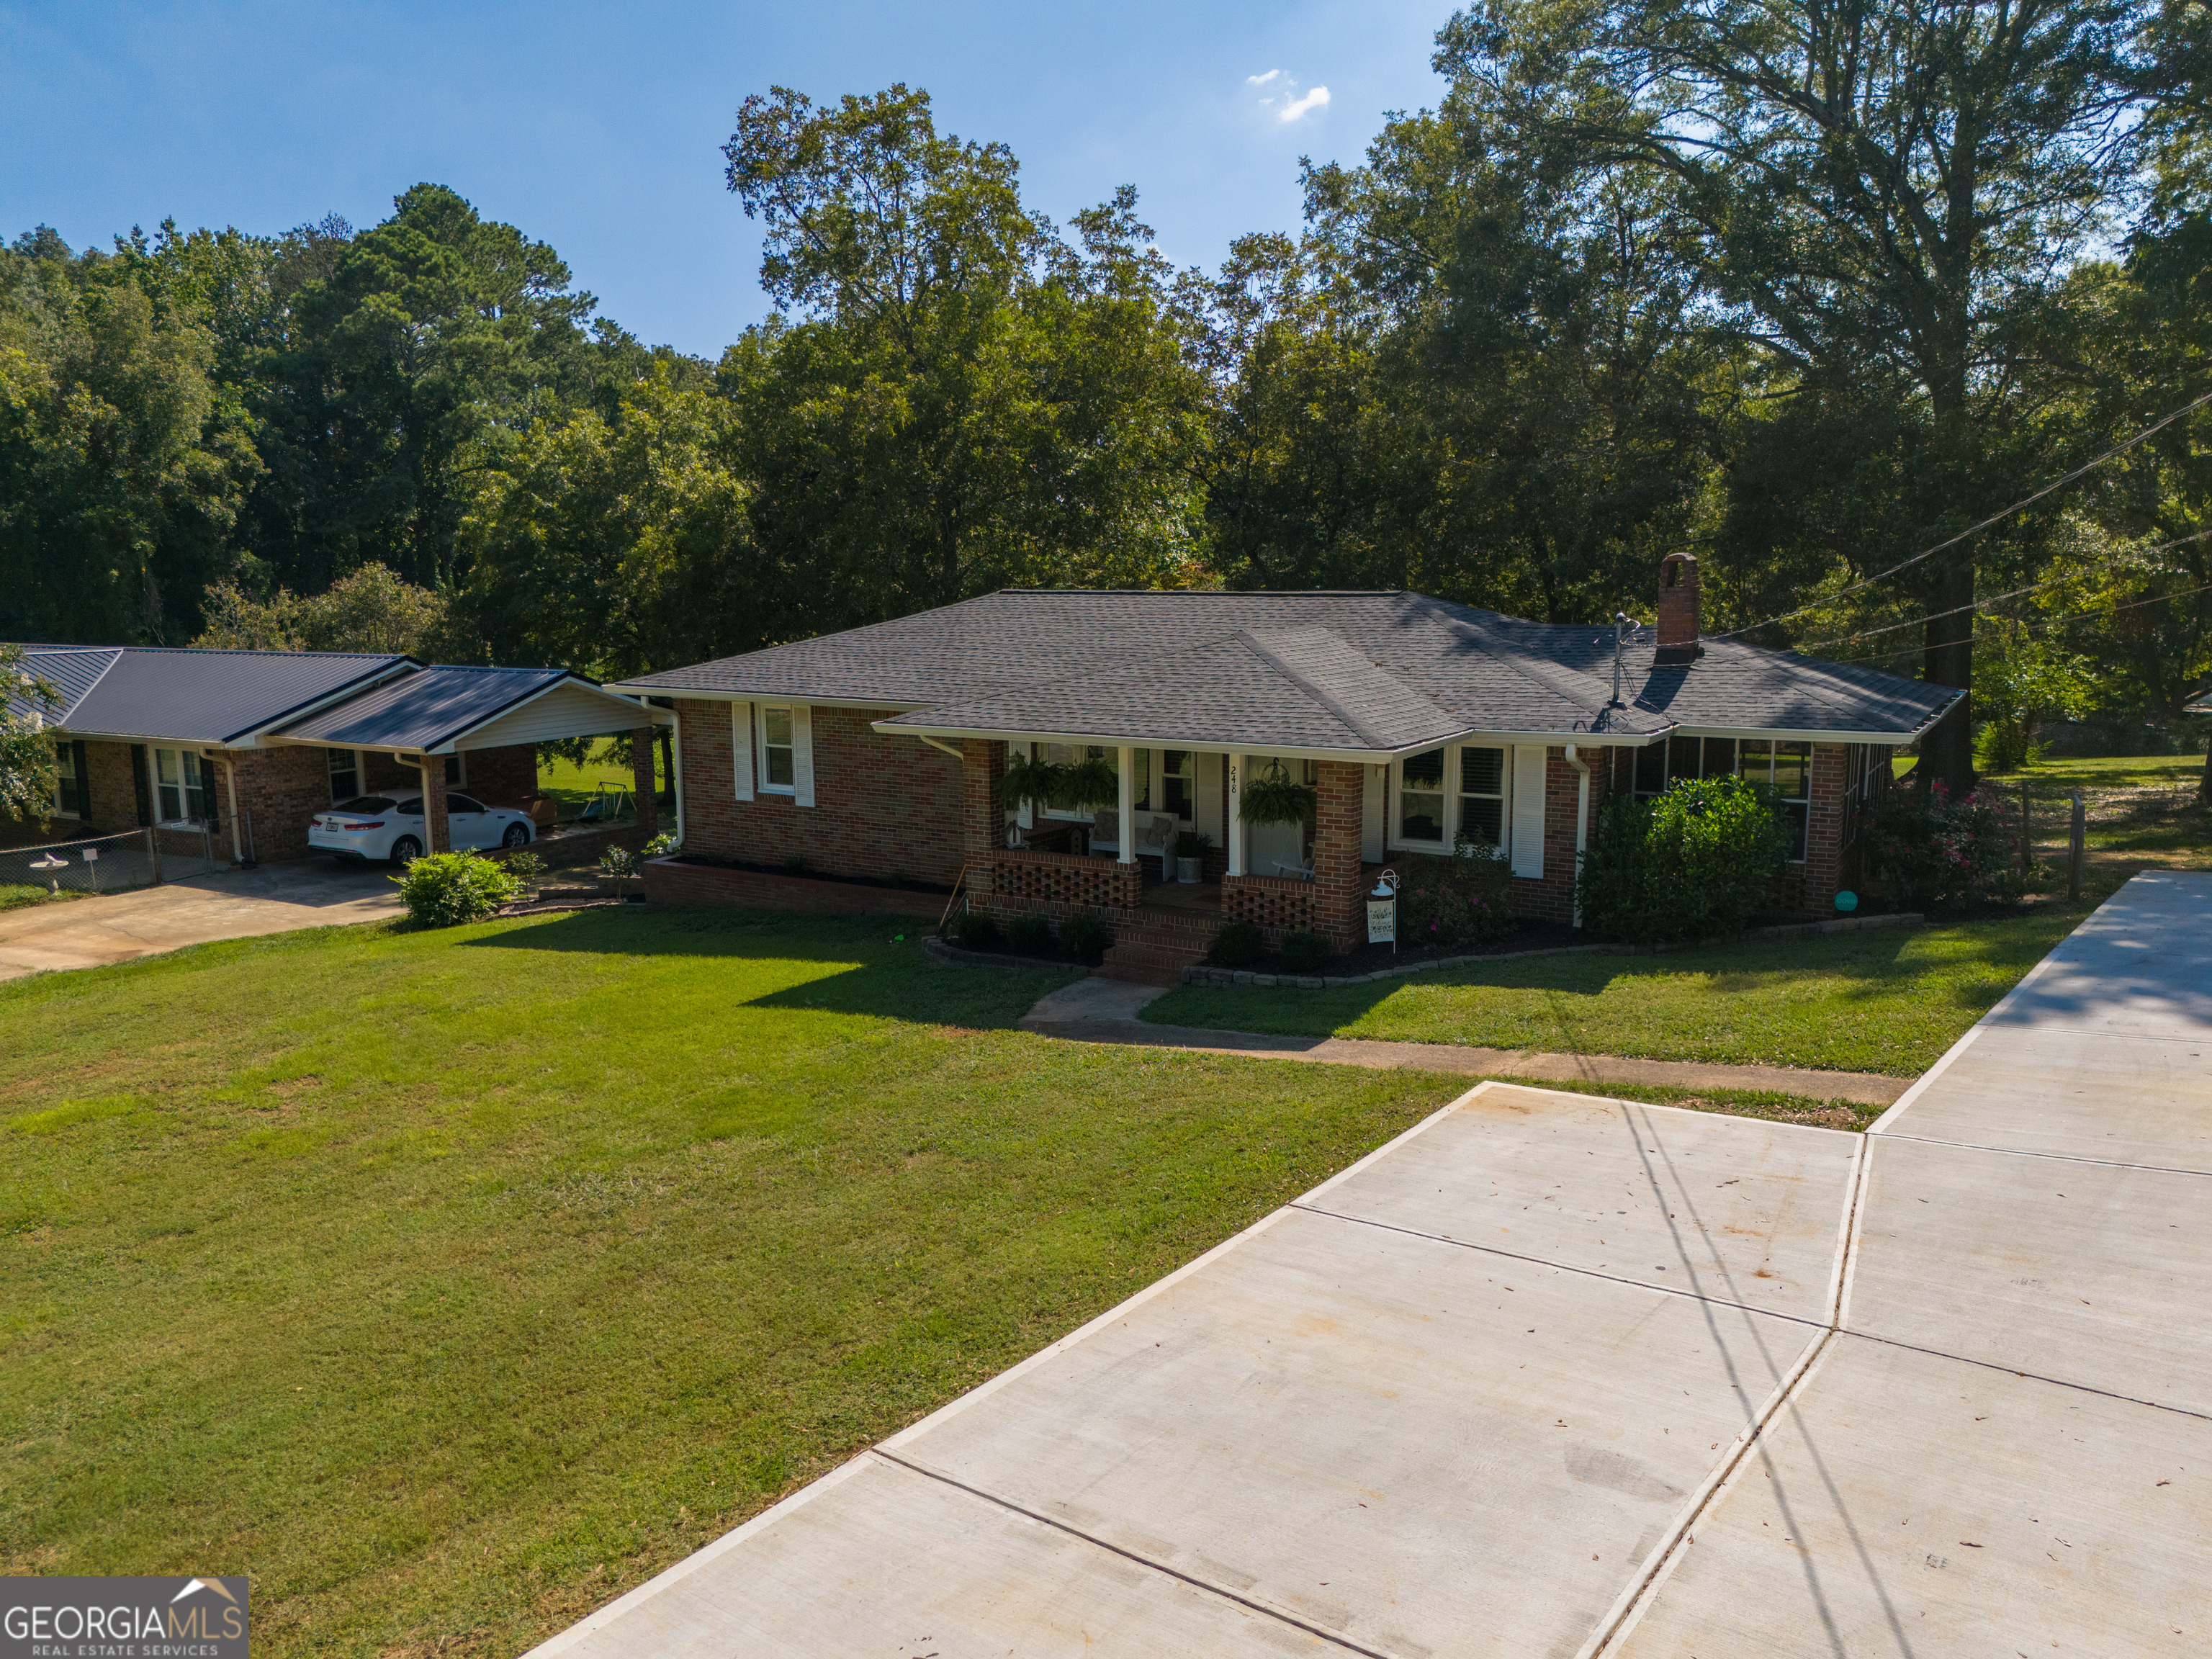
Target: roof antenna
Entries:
(1622, 628)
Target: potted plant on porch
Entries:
(1190, 856)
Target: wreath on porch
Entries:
(1273, 798)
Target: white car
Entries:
(389, 827)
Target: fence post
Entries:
(2076, 848)
(153, 853)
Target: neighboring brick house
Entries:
(252, 745)
(876, 753)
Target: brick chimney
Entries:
(1677, 608)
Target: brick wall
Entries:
(883, 805)
(669, 883)
(279, 790)
(1337, 891)
(1275, 904)
(505, 776)
(1823, 873)
(114, 792)
(1552, 897)
(1059, 884)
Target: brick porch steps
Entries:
(1150, 964)
(1155, 949)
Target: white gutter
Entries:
(635, 688)
(1582, 824)
(1245, 745)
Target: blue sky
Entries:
(598, 129)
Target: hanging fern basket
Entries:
(1273, 798)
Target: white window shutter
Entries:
(802, 754)
(741, 748)
(1528, 768)
(1374, 813)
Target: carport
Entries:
(429, 720)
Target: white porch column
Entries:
(1126, 760)
(1234, 784)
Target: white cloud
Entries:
(1262, 80)
(1317, 99)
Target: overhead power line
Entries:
(2075, 616)
(2037, 587)
(2058, 482)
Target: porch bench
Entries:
(1155, 840)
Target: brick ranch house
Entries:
(877, 752)
(251, 745)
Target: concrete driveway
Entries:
(109, 927)
(1556, 1374)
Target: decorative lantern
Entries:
(1382, 911)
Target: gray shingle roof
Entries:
(423, 709)
(1365, 672)
(192, 696)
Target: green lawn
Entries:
(15, 894)
(2061, 775)
(449, 1283)
(573, 785)
(1882, 1000)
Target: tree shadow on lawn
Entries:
(842, 964)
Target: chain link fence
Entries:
(109, 864)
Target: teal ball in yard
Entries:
(1847, 900)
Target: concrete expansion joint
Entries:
(1335, 1640)
(1689, 1293)
(1621, 1618)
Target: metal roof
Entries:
(194, 697)
(1360, 672)
(70, 670)
(425, 709)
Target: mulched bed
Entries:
(711, 861)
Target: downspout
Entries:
(676, 768)
(1581, 823)
(943, 747)
(230, 783)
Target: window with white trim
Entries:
(1783, 767)
(69, 789)
(1421, 799)
(345, 774)
(1787, 769)
(1169, 787)
(779, 767)
(180, 788)
(1482, 795)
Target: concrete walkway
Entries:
(2007, 1446)
(1555, 1374)
(1105, 1011)
(276, 898)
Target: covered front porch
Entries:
(1176, 813)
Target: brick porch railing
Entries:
(1059, 884)
(1272, 903)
